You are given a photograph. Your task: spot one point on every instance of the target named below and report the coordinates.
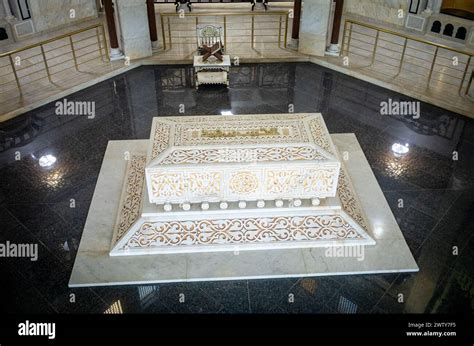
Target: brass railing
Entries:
(44, 59)
(262, 29)
(400, 53)
(468, 87)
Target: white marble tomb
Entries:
(253, 232)
(248, 181)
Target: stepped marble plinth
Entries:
(265, 191)
(94, 266)
(247, 182)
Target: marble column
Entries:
(432, 6)
(150, 8)
(115, 53)
(295, 32)
(334, 48)
(314, 27)
(8, 11)
(135, 34)
(436, 5)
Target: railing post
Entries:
(432, 65)
(349, 39)
(343, 44)
(279, 32)
(464, 74)
(14, 73)
(401, 58)
(225, 32)
(375, 48)
(106, 48)
(286, 29)
(74, 53)
(469, 83)
(163, 31)
(253, 26)
(98, 43)
(169, 32)
(197, 38)
(45, 63)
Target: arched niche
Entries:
(436, 26)
(461, 33)
(3, 34)
(448, 30)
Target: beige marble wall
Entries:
(314, 27)
(51, 14)
(383, 11)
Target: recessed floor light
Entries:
(47, 160)
(400, 149)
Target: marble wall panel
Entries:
(134, 33)
(51, 14)
(314, 27)
(385, 11)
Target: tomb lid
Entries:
(211, 140)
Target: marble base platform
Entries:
(95, 267)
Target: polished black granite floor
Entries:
(49, 206)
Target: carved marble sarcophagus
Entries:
(240, 158)
(247, 182)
